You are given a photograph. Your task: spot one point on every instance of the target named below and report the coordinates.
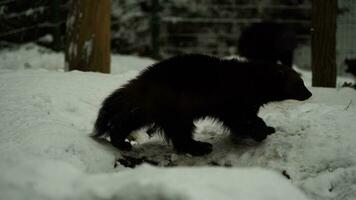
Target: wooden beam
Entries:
(324, 43)
(89, 36)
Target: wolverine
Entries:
(170, 95)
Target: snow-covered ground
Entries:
(47, 115)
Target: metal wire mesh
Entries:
(214, 27)
(208, 26)
(346, 32)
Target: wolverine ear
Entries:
(346, 61)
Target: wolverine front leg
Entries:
(179, 132)
(249, 126)
(259, 129)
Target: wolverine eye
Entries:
(280, 74)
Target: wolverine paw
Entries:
(195, 148)
(256, 133)
(259, 137)
(124, 146)
(270, 130)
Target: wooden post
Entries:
(56, 33)
(88, 36)
(324, 43)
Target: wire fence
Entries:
(182, 26)
(27, 21)
(346, 32)
(215, 29)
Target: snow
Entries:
(47, 117)
(144, 182)
(31, 56)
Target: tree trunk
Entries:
(324, 43)
(88, 36)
